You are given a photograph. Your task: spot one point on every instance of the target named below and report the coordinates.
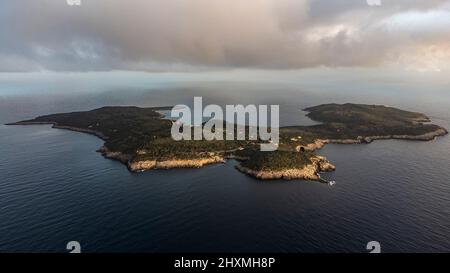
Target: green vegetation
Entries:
(350, 121)
(360, 113)
(277, 160)
(142, 133)
(167, 149)
(125, 129)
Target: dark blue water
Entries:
(55, 188)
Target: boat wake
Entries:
(328, 182)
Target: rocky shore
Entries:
(144, 165)
(55, 125)
(425, 137)
(124, 158)
(294, 160)
(307, 172)
(320, 143)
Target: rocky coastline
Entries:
(308, 169)
(56, 126)
(320, 143)
(307, 172)
(145, 165)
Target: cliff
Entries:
(320, 143)
(306, 172)
(144, 165)
(141, 139)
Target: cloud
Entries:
(189, 34)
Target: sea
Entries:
(55, 187)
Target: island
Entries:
(141, 138)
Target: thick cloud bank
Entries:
(199, 34)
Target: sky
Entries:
(221, 35)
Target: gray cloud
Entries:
(183, 34)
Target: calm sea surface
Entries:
(55, 188)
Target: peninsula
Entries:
(141, 139)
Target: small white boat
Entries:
(331, 183)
